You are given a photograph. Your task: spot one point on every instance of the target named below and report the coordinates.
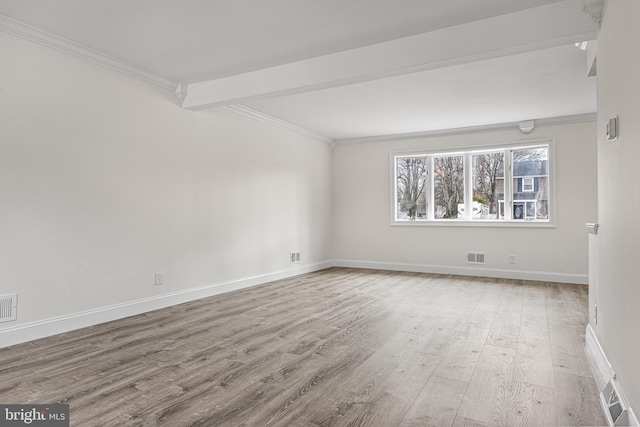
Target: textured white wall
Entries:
(362, 213)
(618, 252)
(105, 180)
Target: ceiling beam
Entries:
(552, 25)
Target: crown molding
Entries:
(551, 121)
(249, 112)
(53, 41)
(593, 8)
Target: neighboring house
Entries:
(530, 190)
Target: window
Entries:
(448, 186)
(527, 184)
(411, 181)
(488, 181)
(530, 192)
(501, 184)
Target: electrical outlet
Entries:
(294, 257)
(512, 259)
(159, 278)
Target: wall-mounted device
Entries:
(612, 129)
(526, 126)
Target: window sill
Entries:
(475, 223)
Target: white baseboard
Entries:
(602, 363)
(606, 371)
(48, 327)
(541, 276)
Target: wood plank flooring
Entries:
(335, 347)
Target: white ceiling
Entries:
(483, 62)
(533, 85)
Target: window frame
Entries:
(467, 153)
(529, 179)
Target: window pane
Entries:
(530, 184)
(411, 180)
(448, 186)
(488, 185)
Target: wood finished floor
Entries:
(336, 347)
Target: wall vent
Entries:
(8, 307)
(616, 408)
(294, 257)
(475, 257)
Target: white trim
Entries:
(606, 371)
(551, 121)
(593, 345)
(593, 8)
(255, 114)
(494, 37)
(467, 166)
(507, 221)
(57, 325)
(512, 223)
(48, 327)
(250, 112)
(540, 276)
(44, 38)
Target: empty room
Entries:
(301, 213)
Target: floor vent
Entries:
(475, 257)
(616, 408)
(8, 307)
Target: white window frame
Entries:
(528, 179)
(507, 203)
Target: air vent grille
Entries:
(475, 258)
(8, 307)
(617, 410)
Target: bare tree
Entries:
(529, 155)
(487, 169)
(448, 173)
(411, 182)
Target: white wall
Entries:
(363, 234)
(618, 253)
(105, 180)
